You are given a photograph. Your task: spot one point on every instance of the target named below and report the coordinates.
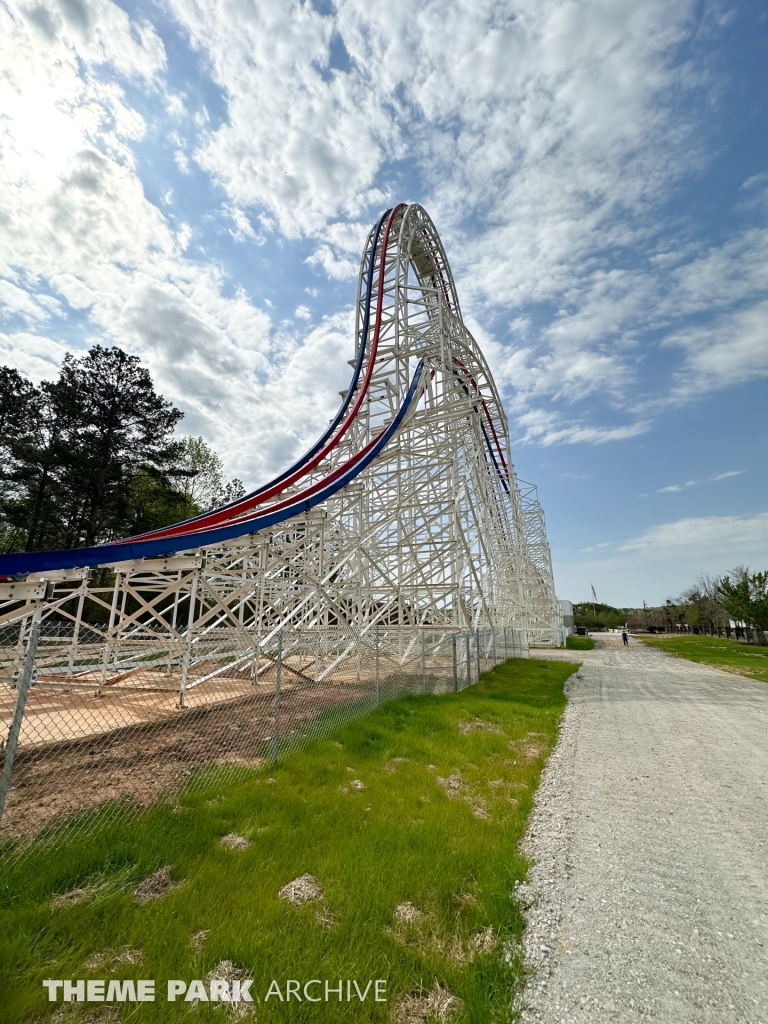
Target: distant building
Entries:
(566, 610)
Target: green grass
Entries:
(401, 839)
(579, 643)
(747, 660)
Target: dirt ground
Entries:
(141, 762)
(649, 898)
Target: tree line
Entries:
(92, 456)
(712, 602)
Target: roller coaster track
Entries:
(406, 513)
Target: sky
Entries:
(193, 180)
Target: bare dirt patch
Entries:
(479, 808)
(99, 887)
(439, 1005)
(478, 725)
(196, 941)
(407, 913)
(71, 898)
(232, 841)
(456, 788)
(155, 886)
(109, 959)
(325, 918)
(228, 971)
(302, 890)
(140, 763)
(453, 785)
(76, 1013)
(529, 751)
(464, 952)
(464, 900)
(484, 941)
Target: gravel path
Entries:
(649, 898)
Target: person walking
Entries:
(625, 638)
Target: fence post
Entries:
(376, 645)
(276, 737)
(423, 663)
(495, 652)
(469, 659)
(455, 665)
(25, 681)
(477, 652)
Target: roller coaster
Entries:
(407, 510)
(404, 520)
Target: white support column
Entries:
(188, 640)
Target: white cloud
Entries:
(303, 142)
(243, 227)
(722, 277)
(546, 137)
(674, 488)
(33, 308)
(98, 31)
(661, 561)
(37, 356)
(756, 180)
(79, 233)
(715, 299)
(730, 473)
(723, 533)
(545, 428)
(556, 130)
(729, 350)
(339, 254)
(296, 404)
(514, 97)
(337, 268)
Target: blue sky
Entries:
(193, 180)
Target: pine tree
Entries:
(113, 424)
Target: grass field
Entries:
(409, 821)
(747, 660)
(579, 643)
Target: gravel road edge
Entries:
(547, 844)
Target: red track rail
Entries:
(458, 362)
(232, 512)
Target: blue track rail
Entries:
(120, 551)
(305, 458)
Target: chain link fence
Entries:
(99, 729)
